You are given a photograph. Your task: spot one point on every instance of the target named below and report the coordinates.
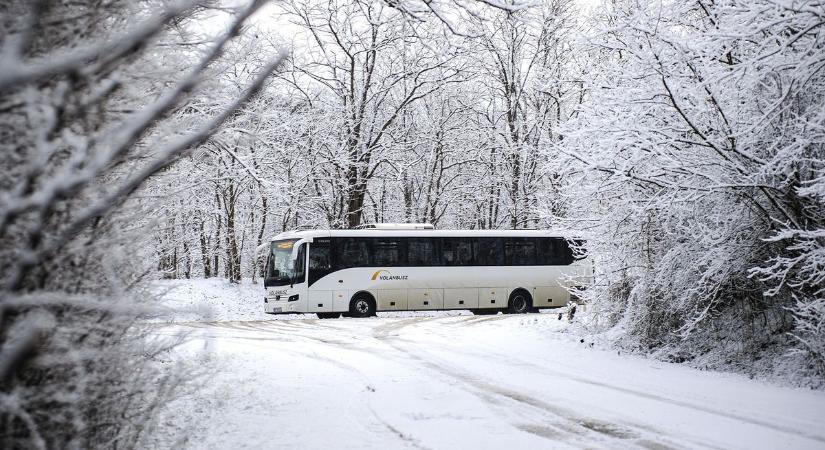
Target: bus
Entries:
(413, 267)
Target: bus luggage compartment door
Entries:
(418, 299)
(460, 298)
(391, 299)
(492, 297)
(550, 296)
(319, 301)
(340, 300)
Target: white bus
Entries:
(411, 267)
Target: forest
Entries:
(161, 139)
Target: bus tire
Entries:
(521, 302)
(328, 315)
(484, 312)
(361, 305)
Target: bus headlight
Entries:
(293, 298)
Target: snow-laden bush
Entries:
(688, 164)
(92, 379)
(86, 101)
(799, 272)
(810, 332)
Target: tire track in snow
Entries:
(348, 345)
(386, 330)
(307, 333)
(572, 424)
(686, 404)
(277, 328)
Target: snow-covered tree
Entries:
(694, 165)
(87, 115)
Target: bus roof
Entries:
(419, 233)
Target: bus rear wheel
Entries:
(361, 306)
(328, 315)
(520, 302)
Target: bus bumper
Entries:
(280, 307)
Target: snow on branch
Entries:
(17, 72)
(86, 123)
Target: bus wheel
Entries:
(361, 306)
(328, 315)
(484, 312)
(520, 302)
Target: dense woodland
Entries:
(685, 140)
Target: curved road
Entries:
(438, 382)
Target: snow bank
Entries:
(209, 300)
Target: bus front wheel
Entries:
(361, 306)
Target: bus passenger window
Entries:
(563, 252)
(421, 252)
(544, 251)
(353, 253)
(519, 252)
(385, 252)
(553, 251)
(319, 258)
(457, 252)
(488, 251)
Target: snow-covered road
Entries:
(447, 382)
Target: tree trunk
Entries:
(216, 249)
(207, 269)
(232, 254)
(258, 263)
(355, 205)
(187, 269)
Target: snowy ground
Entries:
(442, 381)
(211, 299)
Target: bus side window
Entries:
(320, 261)
(564, 254)
(488, 251)
(353, 252)
(421, 252)
(385, 252)
(554, 252)
(319, 257)
(519, 252)
(457, 251)
(299, 275)
(545, 251)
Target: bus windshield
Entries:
(280, 268)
